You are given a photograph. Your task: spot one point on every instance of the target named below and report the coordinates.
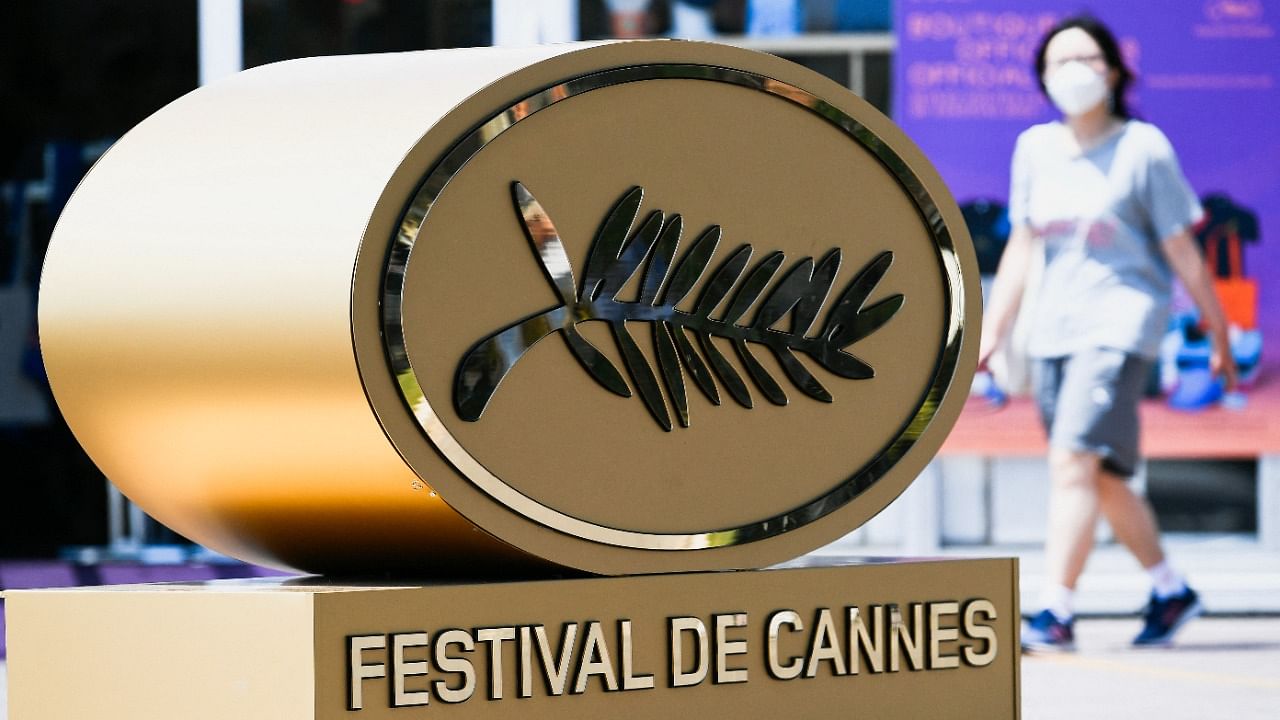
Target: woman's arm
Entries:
(1185, 259)
(1006, 293)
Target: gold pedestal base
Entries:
(901, 639)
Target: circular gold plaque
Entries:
(633, 307)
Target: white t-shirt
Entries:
(1102, 215)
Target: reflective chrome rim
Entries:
(433, 426)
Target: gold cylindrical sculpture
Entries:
(304, 315)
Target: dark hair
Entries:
(1110, 52)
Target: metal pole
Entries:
(115, 518)
(220, 39)
(529, 22)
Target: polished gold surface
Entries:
(919, 639)
(750, 153)
(549, 248)
(195, 315)
(210, 279)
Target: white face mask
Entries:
(1076, 88)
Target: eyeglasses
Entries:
(1097, 60)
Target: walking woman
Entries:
(1102, 193)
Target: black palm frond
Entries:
(618, 255)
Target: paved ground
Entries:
(1221, 668)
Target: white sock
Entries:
(1165, 581)
(1059, 600)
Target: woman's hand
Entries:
(988, 346)
(1188, 264)
(1223, 363)
(1006, 294)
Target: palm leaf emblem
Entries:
(682, 339)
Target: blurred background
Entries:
(75, 76)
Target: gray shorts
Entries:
(1089, 402)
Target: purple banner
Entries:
(1207, 74)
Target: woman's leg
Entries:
(1074, 503)
(1131, 518)
(1096, 417)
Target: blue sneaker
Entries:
(1046, 633)
(1162, 618)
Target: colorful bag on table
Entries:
(1237, 293)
